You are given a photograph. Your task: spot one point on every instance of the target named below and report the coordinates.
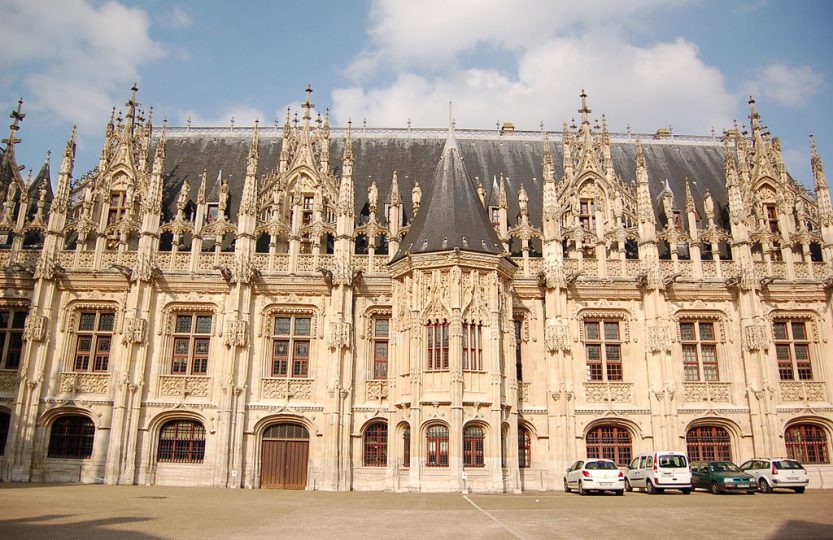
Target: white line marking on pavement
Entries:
(509, 529)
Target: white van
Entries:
(657, 471)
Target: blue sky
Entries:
(646, 64)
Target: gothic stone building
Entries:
(301, 306)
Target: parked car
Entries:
(722, 477)
(773, 473)
(599, 475)
(657, 471)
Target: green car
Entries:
(722, 477)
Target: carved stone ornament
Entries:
(134, 330)
(342, 271)
(243, 271)
(377, 390)
(45, 267)
(554, 274)
(659, 338)
(748, 277)
(556, 335)
(143, 269)
(286, 388)
(650, 277)
(86, 383)
(338, 335)
(235, 333)
(35, 329)
(755, 337)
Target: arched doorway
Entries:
(283, 457)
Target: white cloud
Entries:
(792, 87)
(76, 59)
(244, 115)
(178, 18)
(648, 87)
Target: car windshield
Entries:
(724, 466)
(603, 465)
(672, 462)
(788, 464)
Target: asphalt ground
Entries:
(68, 512)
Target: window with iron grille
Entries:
(524, 448)
(291, 346)
(192, 337)
(376, 445)
(699, 346)
(381, 330)
(437, 346)
(519, 366)
(472, 347)
(93, 339)
(610, 442)
(71, 437)
(792, 350)
(473, 439)
(406, 447)
(181, 441)
(12, 322)
(807, 443)
(436, 439)
(709, 443)
(4, 430)
(603, 346)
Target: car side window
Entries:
(746, 466)
(649, 462)
(642, 462)
(634, 463)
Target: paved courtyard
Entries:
(133, 512)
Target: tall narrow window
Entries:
(519, 366)
(587, 216)
(12, 323)
(807, 443)
(772, 218)
(699, 351)
(406, 447)
(603, 346)
(71, 437)
(93, 340)
(118, 207)
(192, 337)
(181, 441)
(436, 439)
(437, 346)
(524, 447)
(290, 346)
(472, 347)
(494, 216)
(376, 445)
(709, 443)
(473, 439)
(381, 329)
(4, 430)
(610, 442)
(307, 210)
(792, 350)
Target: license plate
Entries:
(743, 485)
(793, 478)
(606, 483)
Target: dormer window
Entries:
(212, 212)
(678, 220)
(494, 216)
(587, 215)
(118, 207)
(772, 218)
(307, 210)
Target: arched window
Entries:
(709, 443)
(437, 446)
(71, 437)
(807, 443)
(473, 439)
(4, 430)
(524, 448)
(406, 447)
(181, 441)
(376, 445)
(610, 442)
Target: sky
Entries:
(690, 65)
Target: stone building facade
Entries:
(301, 306)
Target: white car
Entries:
(773, 473)
(657, 471)
(586, 475)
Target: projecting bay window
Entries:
(93, 341)
(192, 337)
(792, 350)
(11, 337)
(603, 346)
(381, 329)
(437, 346)
(291, 346)
(699, 351)
(472, 347)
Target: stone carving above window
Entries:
(601, 392)
(85, 383)
(184, 386)
(707, 391)
(286, 389)
(377, 390)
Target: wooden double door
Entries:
(284, 456)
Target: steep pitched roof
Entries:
(450, 215)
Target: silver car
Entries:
(586, 475)
(773, 473)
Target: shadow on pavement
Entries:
(45, 527)
(804, 529)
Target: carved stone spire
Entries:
(345, 189)
(643, 194)
(395, 199)
(502, 201)
(65, 175)
(820, 181)
(153, 205)
(248, 199)
(201, 192)
(689, 200)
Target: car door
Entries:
(570, 475)
(698, 475)
(633, 471)
(639, 477)
(752, 468)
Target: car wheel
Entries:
(581, 490)
(628, 486)
(764, 486)
(567, 487)
(620, 492)
(750, 492)
(649, 488)
(799, 490)
(686, 491)
(715, 489)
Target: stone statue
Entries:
(523, 201)
(372, 196)
(223, 199)
(416, 197)
(667, 202)
(618, 206)
(182, 200)
(708, 206)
